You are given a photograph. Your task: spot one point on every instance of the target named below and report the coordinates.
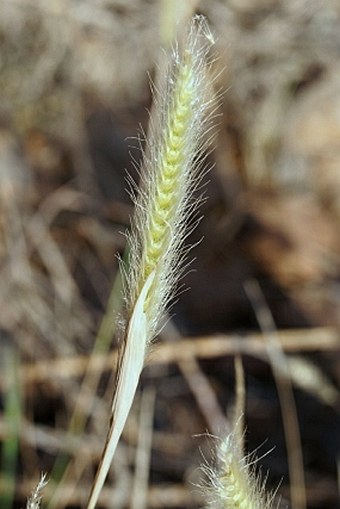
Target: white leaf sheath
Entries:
(129, 370)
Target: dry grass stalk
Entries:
(323, 339)
(282, 376)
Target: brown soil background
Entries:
(74, 91)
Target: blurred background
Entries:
(74, 81)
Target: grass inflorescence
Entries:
(172, 170)
(35, 499)
(234, 483)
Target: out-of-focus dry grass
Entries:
(74, 86)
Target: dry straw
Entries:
(180, 132)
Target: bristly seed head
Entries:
(171, 172)
(35, 499)
(234, 483)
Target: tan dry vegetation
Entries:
(74, 86)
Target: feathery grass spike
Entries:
(184, 114)
(171, 172)
(234, 483)
(35, 499)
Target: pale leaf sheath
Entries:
(127, 381)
